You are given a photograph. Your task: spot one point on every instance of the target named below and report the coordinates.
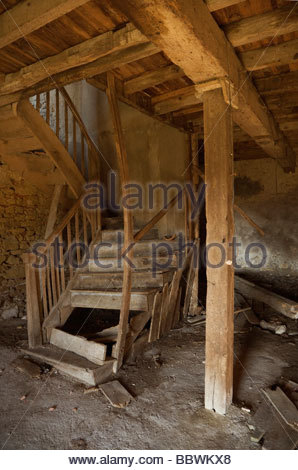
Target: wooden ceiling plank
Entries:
(281, 54)
(266, 25)
(215, 5)
(108, 62)
(191, 38)
(153, 78)
(26, 17)
(83, 53)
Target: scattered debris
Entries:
(78, 444)
(90, 390)
(283, 405)
(28, 367)
(157, 360)
(275, 436)
(257, 435)
(117, 395)
(275, 327)
(11, 312)
(197, 319)
(246, 409)
(251, 317)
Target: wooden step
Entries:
(114, 279)
(72, 365)
(112, 235)
(142, 248)
(113, 223)
(110, 299)
(94, 352)
(140, 262)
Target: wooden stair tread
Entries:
(141, 291)
(94, 352)
(71, 364)
(110, 299)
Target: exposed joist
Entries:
(108, 62)
(82, 54)
(280, 54)
(266, 25)
(26, 17)
(176, 99)
(283, 83)
(153, 78)
(214, 5)
(191, 38)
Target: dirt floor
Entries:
(167, 383)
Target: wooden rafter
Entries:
(82, 54)
(101, 65)
(26, 17)
(280, 54)
(266, 25)
(150, 79)
(191, 38)
(214, 5)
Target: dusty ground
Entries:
(167, 412)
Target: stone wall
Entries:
(270, 197)
(23, 216)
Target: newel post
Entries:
(32, 301)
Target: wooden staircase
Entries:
(154, 309)
(95, 279)
(48, 148)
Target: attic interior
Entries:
(148, 242)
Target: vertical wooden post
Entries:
(194, 164)
(127, 215)
(218, 136)
(32, 301)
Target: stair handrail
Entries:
(92, 171)
(46, 284)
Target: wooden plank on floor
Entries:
(94, 352)
(117, 395)
(283, 405)
(72, 365)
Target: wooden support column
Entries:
(194, 165)
(128, 221)
(33, 301)
(218, 130)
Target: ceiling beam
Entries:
(214, 5)
(79, 55)
(191, 38)
(26, 17)
(266, 25)
(153, 78)
(101, 65)
(280, 54)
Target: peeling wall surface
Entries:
(23, 214)
(270, 197)
(156, 153)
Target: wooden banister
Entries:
(160, 214)
(76, 132)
